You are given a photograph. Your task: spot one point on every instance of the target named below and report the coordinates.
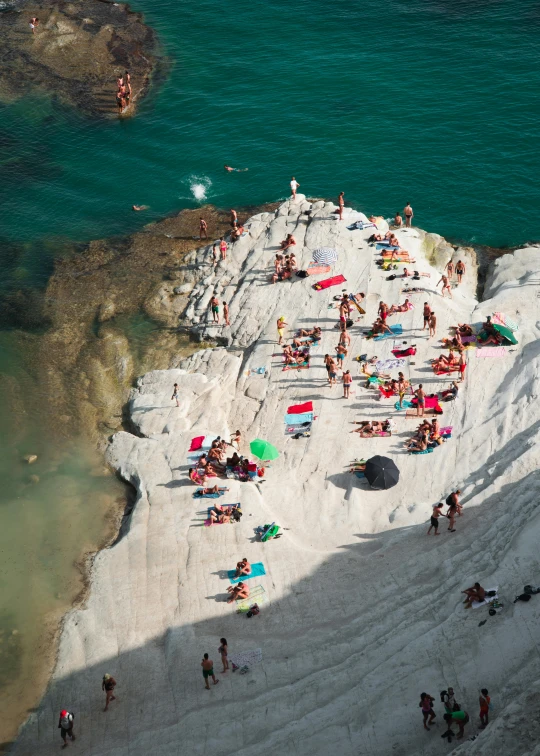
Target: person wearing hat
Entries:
(108, 685)
(65, 723)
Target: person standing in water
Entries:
(108, 684)
(208, 671)
(203, 229)
(294, 187)
(408, 213)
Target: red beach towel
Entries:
(196, 443)
(299, 409)
(334, 281)
(404, 352)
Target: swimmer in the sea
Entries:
(229, 169)
(140, 207)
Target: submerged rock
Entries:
(77, 52)
(30, 458)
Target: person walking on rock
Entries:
(226, 313)
(214, 305)
(294, 187)
(427, 315)
(437, 511)
(426, 704)
(65, 723)
(420, 395)
(234, 218)
(446, 285)
(208, 671)
(175, 395)
(341, 204)
(108, 684)
(484, 701)
(460, 271)
(203, 229)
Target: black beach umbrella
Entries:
(381, 472)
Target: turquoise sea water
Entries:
(430, 101)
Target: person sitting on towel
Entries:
(243, 567)
(420, 444)
(239, 591)
(194, 477)
(210, 468)
(475, 593)
(450, 394)
(289, 241)
(233, 461)
(379, 327)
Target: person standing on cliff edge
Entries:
(294, 187)
(203, 229)
(408, 213)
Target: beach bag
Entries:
(301, 273)
(523, 597)
(253, 611)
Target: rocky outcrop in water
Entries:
(77, 52)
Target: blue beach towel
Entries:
(396, 329)
(406, 405)
(199, 495)
(385, 245)
(360, 474)
(426, 451)
(257, 570)
(305, 417)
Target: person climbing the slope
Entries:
(426, 704)
(434, 522)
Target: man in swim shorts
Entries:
(408, 213)
(208, 671)
(421, 396)
(435, 518)
(281, 328)
(214, 305)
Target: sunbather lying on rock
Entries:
(223, 514)
(212, 490)
(210, 468)
(316, 332)
(450, 394)
(239, 591)
(464, 329)
(375, 373)
(371, 428)
(445, 363)
(401, 308)
(243, 567)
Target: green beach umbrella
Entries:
(263, 450)
(506, 332)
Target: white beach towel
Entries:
(244, 658)
(476, 604)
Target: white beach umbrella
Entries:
(325, 255)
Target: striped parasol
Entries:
(325, 255)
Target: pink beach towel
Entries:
(196, 443)
(498, 351)
(334, 281)
(316, 270)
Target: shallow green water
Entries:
(422, 100)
